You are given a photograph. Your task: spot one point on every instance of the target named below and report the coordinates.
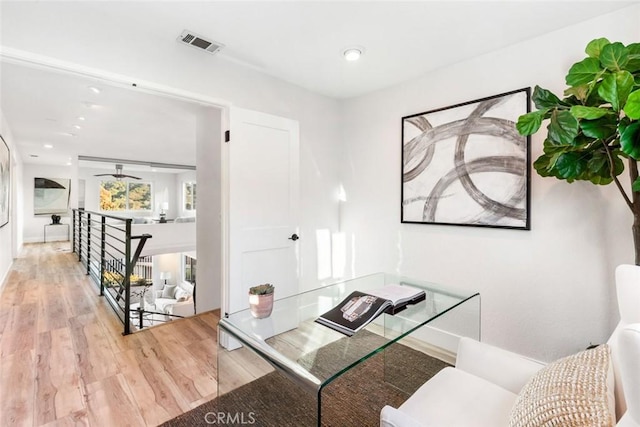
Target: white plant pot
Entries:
(261, 305)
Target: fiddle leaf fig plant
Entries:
(594, 129)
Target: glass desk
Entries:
(290, 342)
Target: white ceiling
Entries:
(42, 107)
(296, 41)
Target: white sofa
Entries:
(178, 303)
(483, 387)
(185, 219)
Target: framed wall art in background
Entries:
(5, 181)
(467, 164)
(51, 195)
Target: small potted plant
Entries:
(261, 300)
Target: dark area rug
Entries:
(352, 400)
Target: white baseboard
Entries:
(49, 239)
(428, 340)
(430, 349)
(5, 275)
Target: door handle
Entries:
(294, 237)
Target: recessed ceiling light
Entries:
(77, 127)
(81, 118)
(48, 146)
(90, 105)
(68, 163)
(69, 134)
(353, 53)
(94, 89)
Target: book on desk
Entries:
(359, 308)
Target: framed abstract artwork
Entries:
(467, 164)
(51, 195)
(5, 182)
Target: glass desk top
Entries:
(292, 342)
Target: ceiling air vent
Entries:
(199, 42)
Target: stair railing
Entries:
(104, 246)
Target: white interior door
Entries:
(262, 211)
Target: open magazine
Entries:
(358, 309)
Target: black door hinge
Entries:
(227, 135)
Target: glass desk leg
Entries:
(249, 388)
(435, 344)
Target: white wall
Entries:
(209, 222)
(181, 178)
(545, 292)
(169, 263)
(33, 225)
(11, 235)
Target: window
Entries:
(190, 270)
(125, 196)
(189, 195)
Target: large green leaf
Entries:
(580, 92)
(570, 166)
(632, 107)
(599, 168)
(598, 161)
(603, 178)
(588, 113)
(636, 185)
(528, 124)
(543, 98)
(622, 124)
(593, 98)
(583, 72)
(618, 164)
(634, 57)
(600, 180)
(602, 128)
(615, 88)
(544, 166)
(563, 128)
(595, 47)
(549, 147)
(614, 56)
(630, 140)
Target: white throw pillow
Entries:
(168, 291)
(181, 295)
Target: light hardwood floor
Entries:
(64, 362)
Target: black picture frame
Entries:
(5, 183)
(467, 165)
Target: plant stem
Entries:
(612, 169)
(626, 198)
(635, 208)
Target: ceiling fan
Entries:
(118, 175)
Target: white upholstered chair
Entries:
(483, 387)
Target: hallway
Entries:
(64, 361)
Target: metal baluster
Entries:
(88, 242)
(127, 278)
